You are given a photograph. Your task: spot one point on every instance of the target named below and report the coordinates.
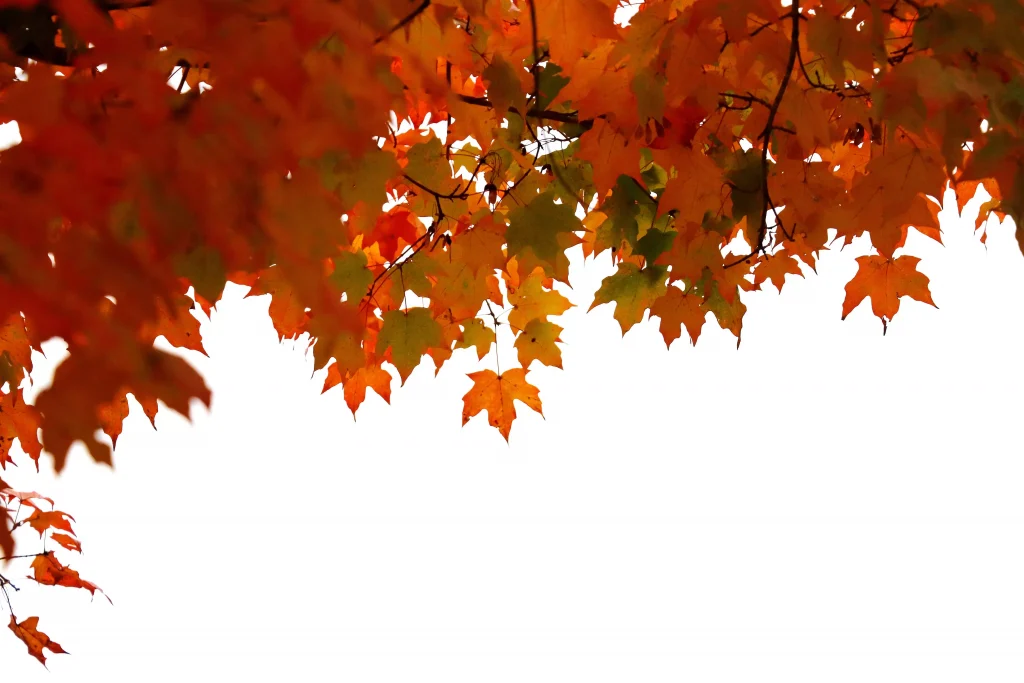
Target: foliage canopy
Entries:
(341, 155)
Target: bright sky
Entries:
(824, 503)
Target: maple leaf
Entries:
(775, 268)
(573, 27)
(886, 281)
(496, 394)
(351, 275)
(694, 190)
(633, 291)
(21, 421)
(504, 85)
(611, 153)
(376, 378)
(722, 293)
(177, 325)
(15, 351)
(35, 640)
(677, 310)
(480, 247)
(159, 376)
(25, 497)
(53, 519)
(537, 342)
(67, 542)
(341, 155)
(406, 336)
(475, 334)
(536, 227)
(530, 301)
(49, 572)
(111, 417)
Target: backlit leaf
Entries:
(496, 394)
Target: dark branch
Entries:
(769, 128)
(749, 99)
(535, 69)
(543, 114)
(404, 22)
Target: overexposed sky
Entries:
(824, 504)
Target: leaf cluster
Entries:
(404, 179)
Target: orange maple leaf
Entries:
(677, 310)
(495, 393)
(886, 280)
(52, 519)
(50, 572)
(35, 640)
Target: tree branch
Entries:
(404, 22)
(536, 51)
(766, 135)
(543, 114)
(16, 557)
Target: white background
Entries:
(823, 504)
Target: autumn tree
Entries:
(405, 177)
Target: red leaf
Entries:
(35, 640)
(49, 572)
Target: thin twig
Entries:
(533, 113)
(535, 69)
(404, 22)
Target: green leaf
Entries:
(746, 176)
(627, 207)
(359, 180)
(429, 166)
(654, 243)
(351, 274)
(537, 225)
(503, 86)
(537, 342)
(408, 335)
(551, 83)
(475, 334)
(203, 268)
(633, 291)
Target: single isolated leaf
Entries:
(67, 542)
(35, 640)
(26, 497)
(496, 393)
(49, 572)
(886, 280)
(53, 519)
